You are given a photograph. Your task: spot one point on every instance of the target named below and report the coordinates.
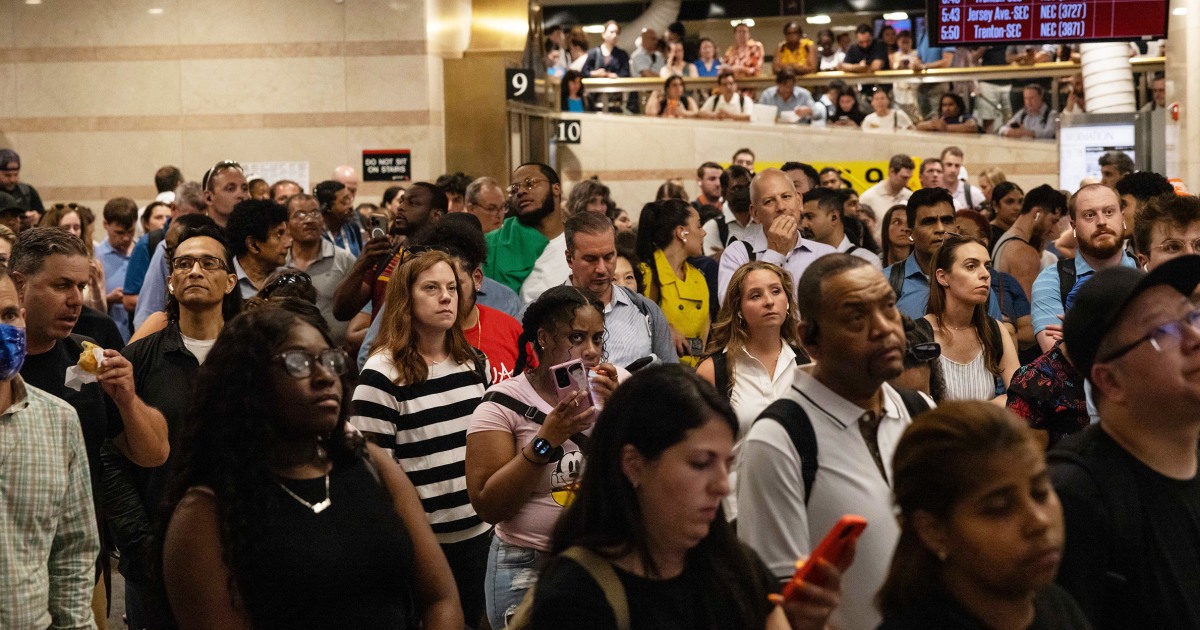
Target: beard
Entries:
(533, 218)
(1102, 251)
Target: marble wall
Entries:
(97, 94)
(635, 155)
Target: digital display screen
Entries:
(974, 22)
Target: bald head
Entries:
(772, 194)
(348, 178)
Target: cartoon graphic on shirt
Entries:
(565, 478)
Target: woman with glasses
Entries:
(281, 517)
(755, 347)
(978, 356)
(668, 234)
(414, 398)
(981, 527)
(526, 440)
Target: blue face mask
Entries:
(12, 351)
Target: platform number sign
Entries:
(519, 85)
(568, 131)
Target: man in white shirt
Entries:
(735, 223)
(646, 61)
(823, 221)
(954, 179)
(850, 326)
(727, 103)
(893, 189)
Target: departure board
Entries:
(978, 22)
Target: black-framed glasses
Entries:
(923, 352)
(299, 364)
(216, 170)
(1175, 246)
(528, 185)
(285, 280)
(187, 263)
(1159, 336)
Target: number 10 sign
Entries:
(518, 85)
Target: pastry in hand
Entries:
(87, 358)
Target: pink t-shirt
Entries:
(532, 525)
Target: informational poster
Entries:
(275, 171)
(387, 165)
(1083, 139)
(975, 22)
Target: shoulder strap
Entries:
(853, 248)
(481, 367)
(967, 194)
(896, 278)
(602, 572)
(529, 412)
(723, 230)
(750, 255)
(913, 401)
(1066, 279)
(799, 428)
(721, 373)
(638, 301)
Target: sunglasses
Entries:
(216, 170)
(285, 280)
(923, 352)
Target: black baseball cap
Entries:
(10, 205)
(1102, 302)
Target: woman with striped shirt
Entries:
(415, 397)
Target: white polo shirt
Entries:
(773, 518)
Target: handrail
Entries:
(1052, 69)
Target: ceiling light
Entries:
(736, 23)
(594, 28)
(896, 15)
(1175, 11)
(33, 1)
(817, 19)
(155, 11)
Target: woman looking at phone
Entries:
(981, 529)
(524, 450)
(649, 510)
(415, 397)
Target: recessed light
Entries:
(33, 1)
(1175, 11)
(594, 28)
(896, 15)
(817, 19)
(155, 11)
(736, 23)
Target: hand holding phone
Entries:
(831, 549)
(572, 377)
(377, 225)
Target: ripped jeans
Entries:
(511, 571)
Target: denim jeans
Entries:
(511, 572)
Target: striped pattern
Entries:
(968, 381)
(425, 427)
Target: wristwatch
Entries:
(542, 448)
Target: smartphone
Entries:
(571, 377)
(844, 532)
(377, 224)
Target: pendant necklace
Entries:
(318, 507)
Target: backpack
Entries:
(796, 422)
(896, 278)
(1066, 279)
(601, 572)
(1109, 470)
(721, 370)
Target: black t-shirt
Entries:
(877, 50)
(1053, 610)
(1132, 557)
(98, 415)
(996, 56)
(99, 326)
(567, 597)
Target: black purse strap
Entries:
(529, 412)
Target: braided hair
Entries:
(556, 307)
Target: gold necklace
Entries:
(317, 507)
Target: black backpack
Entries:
(1066, 279)
(796, 422)
(721, 369)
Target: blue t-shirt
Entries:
(712, 71)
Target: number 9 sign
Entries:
(518, 85)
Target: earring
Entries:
(1037, 216)
(942, 555)
(170, 288)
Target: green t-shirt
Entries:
(512, 250)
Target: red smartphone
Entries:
(571, 377)
(844, 532)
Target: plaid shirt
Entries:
(48, 536)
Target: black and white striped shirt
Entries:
(425, 427)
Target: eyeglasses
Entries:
(299, 364)
(528, 185)
(495, 208)
(305, 215)
(923, 352)
(1173, 246)
(1159, 336)
(285, 280)
(207, 263)
(1089, 216)
(67, 206)
(215, 170)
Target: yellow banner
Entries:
(859, 175)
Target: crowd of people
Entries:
(491, 403)
(1011, 108)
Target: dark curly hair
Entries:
(556, 307)
(227, 434)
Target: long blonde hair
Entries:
(398, 333)
(729, 331)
